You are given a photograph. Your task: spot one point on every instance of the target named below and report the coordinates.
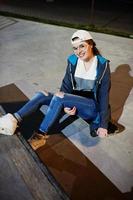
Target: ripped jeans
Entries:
(85, 108)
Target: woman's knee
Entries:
(58, 97)
(44, 92)
(59, 94)
(41, 94)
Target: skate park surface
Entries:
(33, 56)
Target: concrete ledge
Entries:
(22, 174)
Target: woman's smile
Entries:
(83, 50)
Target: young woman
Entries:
(84, 92)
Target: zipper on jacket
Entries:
(71, 76)
(103, 73)
(99, 81)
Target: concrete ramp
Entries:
(22, 174)
(70, 167)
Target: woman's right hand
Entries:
(102, 132)
(70, 111)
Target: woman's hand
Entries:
(102, 132)
(70, 111)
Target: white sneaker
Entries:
(8, 124)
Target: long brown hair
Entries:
(94, 48)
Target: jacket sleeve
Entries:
(66, 85)
(103, 98)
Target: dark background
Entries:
(114, 15)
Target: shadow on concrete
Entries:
(121, 85)
(79, 177)
(129, 195)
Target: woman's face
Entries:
(83, 50)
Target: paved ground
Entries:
(35, 54)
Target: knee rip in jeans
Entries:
(44, 92)
(59, 94)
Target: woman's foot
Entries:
(37, 140)
(8, 124)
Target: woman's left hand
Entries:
(102, 132)
(70, 111)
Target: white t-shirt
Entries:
(85, 79)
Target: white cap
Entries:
(82, 35)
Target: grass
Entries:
(90, 27)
